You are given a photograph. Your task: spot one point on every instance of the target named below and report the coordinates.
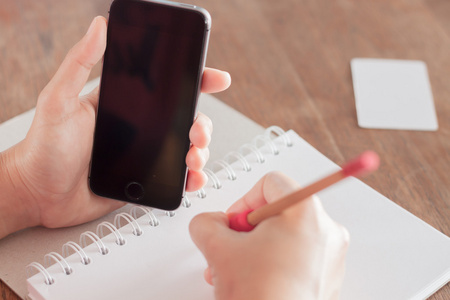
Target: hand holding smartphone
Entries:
(149, 88)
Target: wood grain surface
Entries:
(290, 64)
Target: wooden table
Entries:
(289, 60)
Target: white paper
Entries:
(393, 94)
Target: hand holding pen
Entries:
(297, 253)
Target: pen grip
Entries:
(239, 222)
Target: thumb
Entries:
(74, 71)
(210, 233)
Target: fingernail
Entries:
(205, 155)
(227, 74)
(228, 78)
(91, 27)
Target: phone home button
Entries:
(134, 191)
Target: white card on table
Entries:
(393, 94)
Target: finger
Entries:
(338, 247)
(74, 71)
(208, 276)
(273, 186)
(214, 81)
(345, 236)
(196, 158)
(209, 231)
(201, 130)
(195, 180)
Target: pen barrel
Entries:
(277, 207)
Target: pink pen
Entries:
(247, 220)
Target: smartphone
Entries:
(150, 83)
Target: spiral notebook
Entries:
(393, 255)
(148, 254)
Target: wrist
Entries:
(268, 281)
(16, 211)
(265, 287)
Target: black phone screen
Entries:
(150, 83)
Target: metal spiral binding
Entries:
(227, 167)
(153, 221)
(132, 221)
(170, 213)
(259, 156)
(58, 259)
(246, 166)
(266, 141)
(48, 279)
(201, 193)
(279, 132)
(95, 239)
(186, 202)
(216, 182)
(119, 238)
(85, 260)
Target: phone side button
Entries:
(134, 191)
